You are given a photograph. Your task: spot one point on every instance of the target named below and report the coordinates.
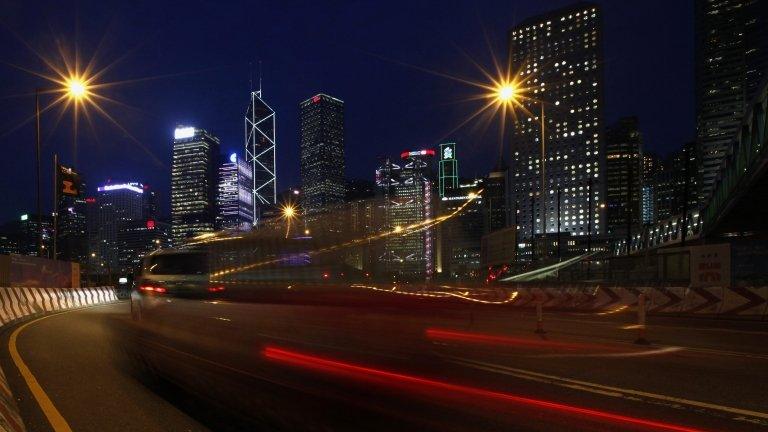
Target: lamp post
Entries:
(76, 89)
(289, 212)
(510, 93)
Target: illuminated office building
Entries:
(460, 235)
(623, 149)
(137, 238)
(557, 57)
(194, 184)
(116, 204)
(321, 133)
(235, 199)
(408, 199)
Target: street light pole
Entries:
(544, 193)
(76, 88)
(37, 170)
(558, 223)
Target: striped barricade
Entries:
(703, 300)
(746, 301)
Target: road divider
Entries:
(742, 302)
(20, 303)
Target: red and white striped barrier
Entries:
(749, 302)
(20, 302)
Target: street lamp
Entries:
(76, 89)
(508, 93)
(289, 212)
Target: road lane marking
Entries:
(57, 421)
(609, 390)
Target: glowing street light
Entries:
(289, 211)
(506, 92)
(76, 88)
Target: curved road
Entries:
(79, 365)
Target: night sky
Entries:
(187, 62)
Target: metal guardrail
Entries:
(665, 233)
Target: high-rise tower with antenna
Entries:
(260, 146)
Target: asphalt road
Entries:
(472, 370)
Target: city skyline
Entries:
(420, 216)
(430, 98)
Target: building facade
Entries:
(137, 238)
(652, 167)
(194, 184)
(447, 169)
(623, 150)
(235, 198)
(676, 183)
(71, 229)
(22, 236)
(116, 204)
(460, 234)
(731, 60)
(323, 183)
(407, 195)
(260, 151)
(496, 208)
(558, 58)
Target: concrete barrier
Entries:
(741, 302)
(18, 303)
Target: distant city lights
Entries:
(406, 154)
(135, 187)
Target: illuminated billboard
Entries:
(184, 132)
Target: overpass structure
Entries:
(737, 206)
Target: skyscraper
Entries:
(448, 169)
(496, 209)
(652, 167)
(676, 183)
(117, 204)
(731, 60)
(235, 199)
(558, 58)
(459, 236)
(260, 147)
(322, 152)
(193, 183)
(137, 238)
(71, 230)
(408, 200)
(623, 176)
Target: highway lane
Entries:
(393, 369)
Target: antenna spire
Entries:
(259, 76)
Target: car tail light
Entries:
(216, 288)
(152, 288)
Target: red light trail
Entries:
(337, 367)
